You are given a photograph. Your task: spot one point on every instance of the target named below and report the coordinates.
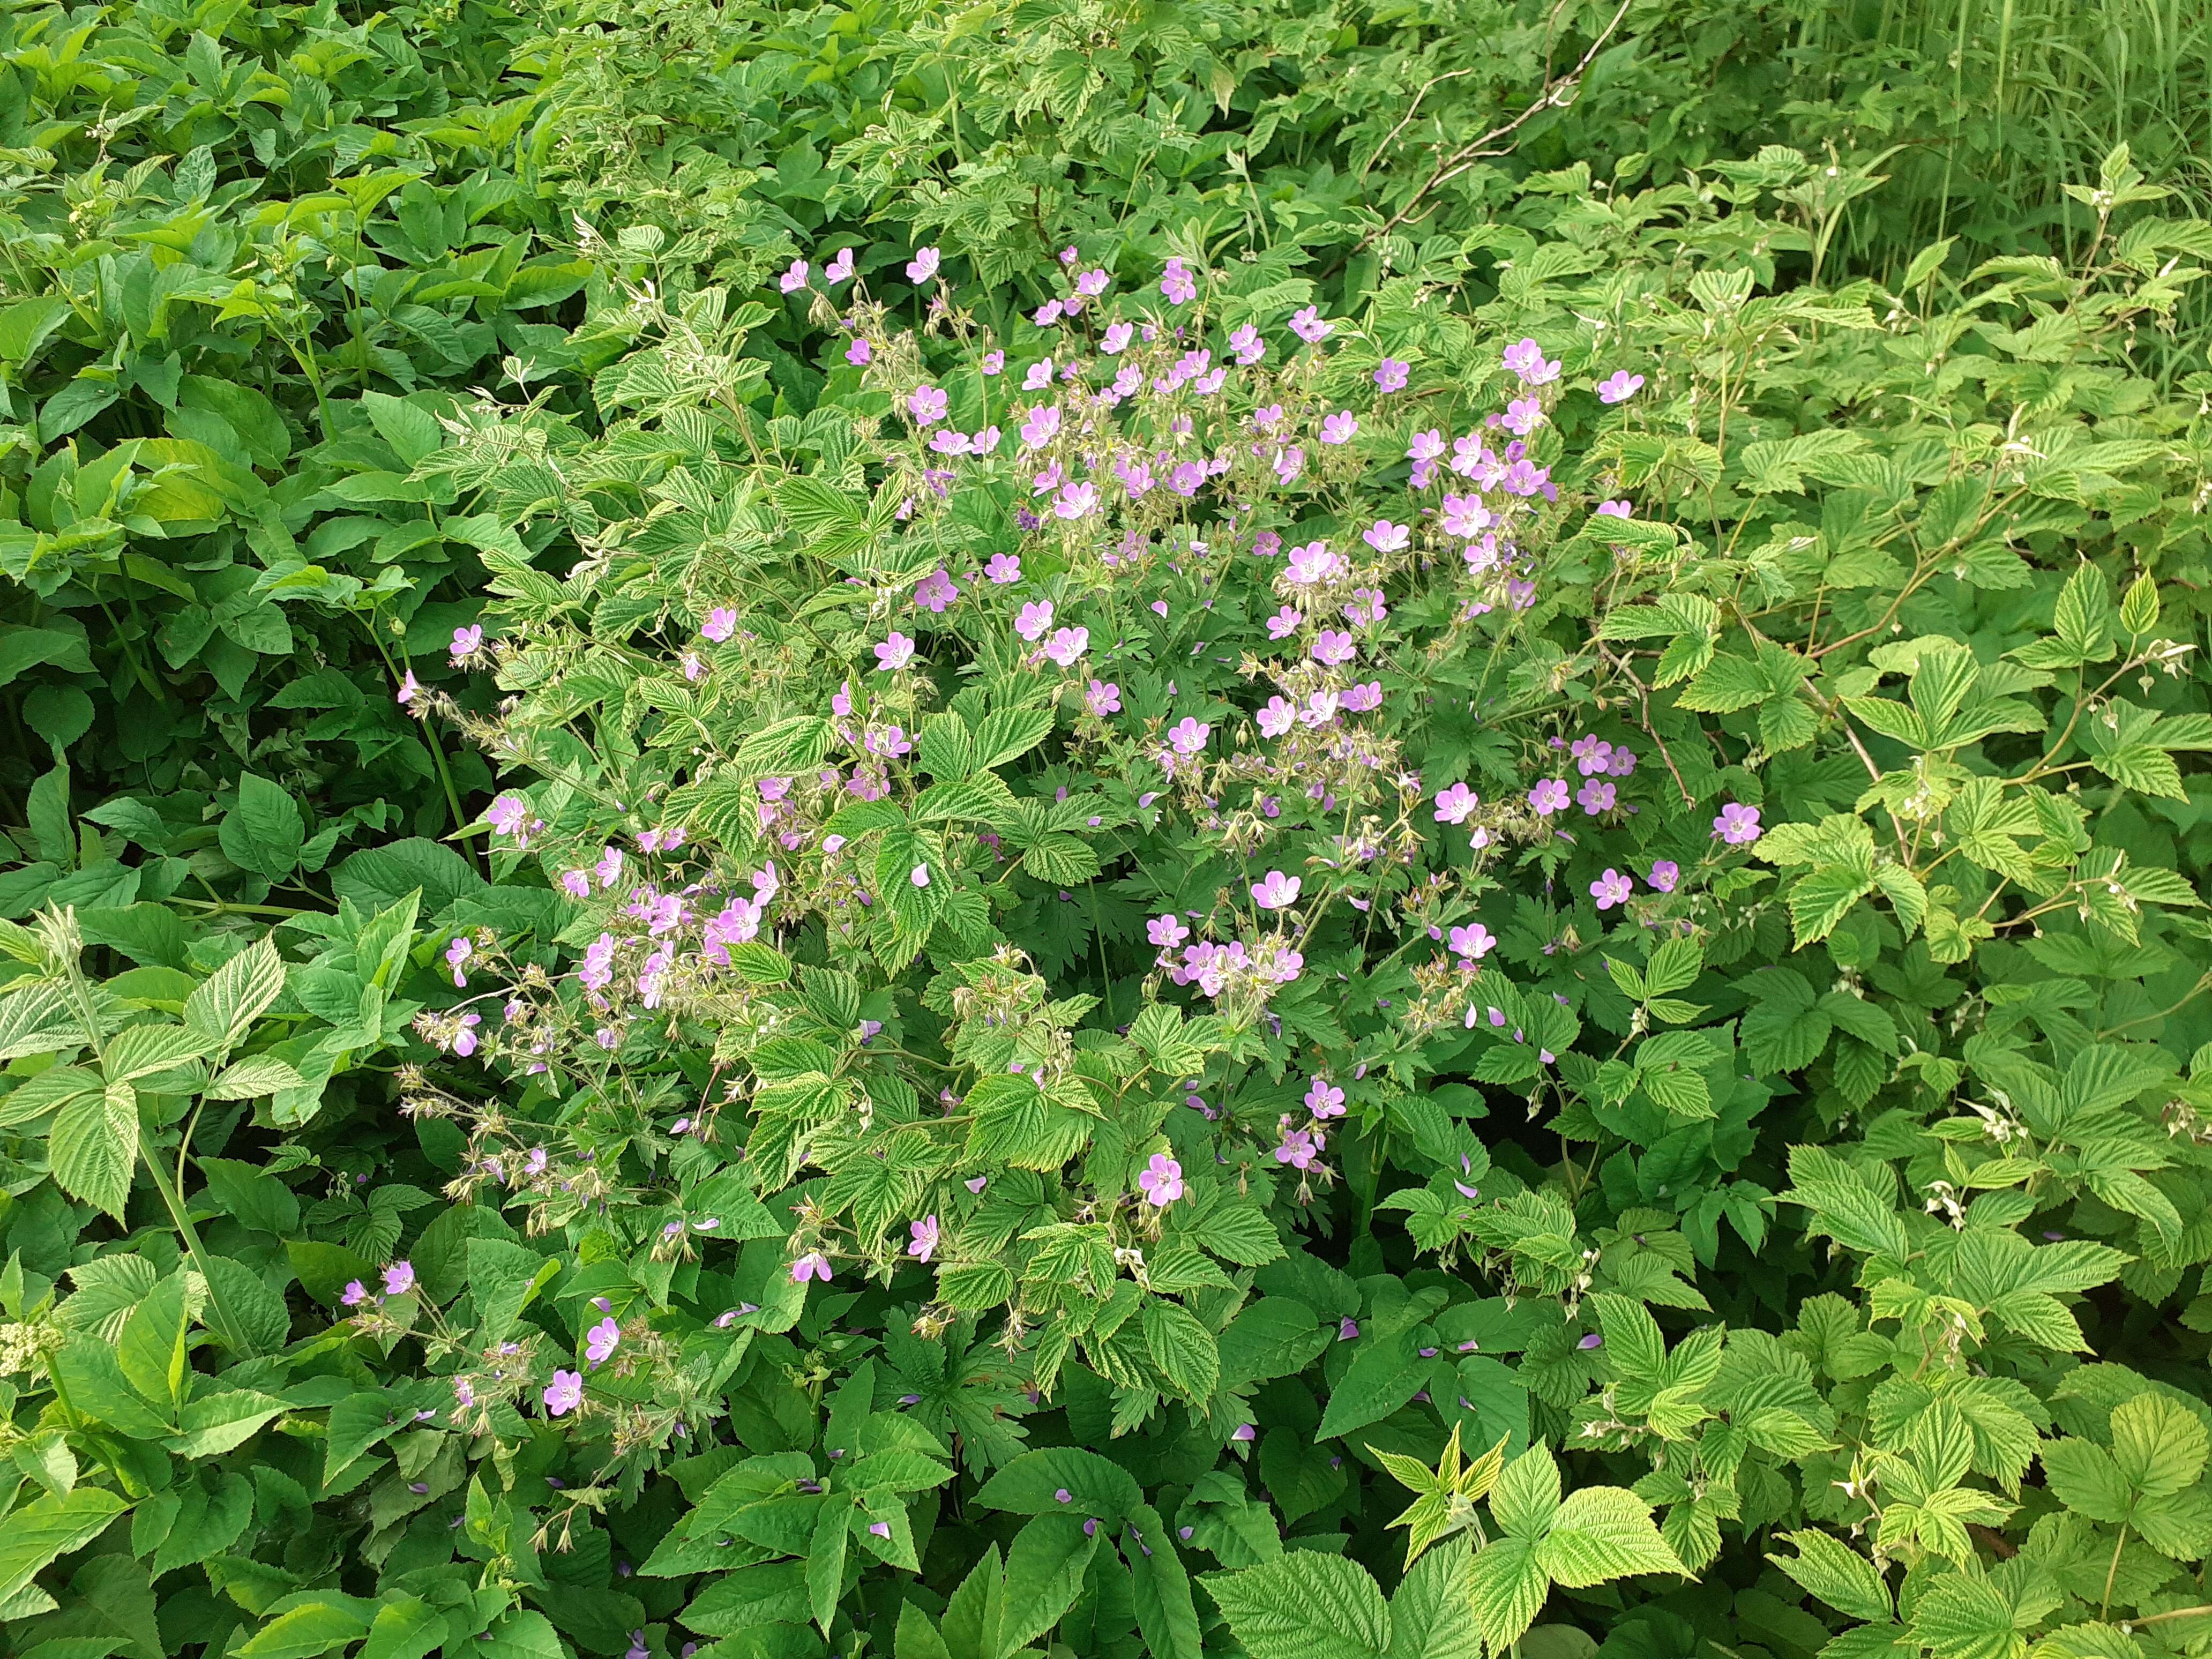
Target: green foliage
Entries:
(681, 1125)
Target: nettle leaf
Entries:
(1838, 1575)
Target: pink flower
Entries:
(1548, 796)
(1161, 1181)
(1299, 1147)
(1596, 797)
(1103, 698)
(1039, 375)
(399, 1279)
(894, 653)
(1339, 428)
(1471, 942)
(458, 953)
(1664, 874)
(1066, 645)
(1248, 345)
(795, 278)
(1615, 510)
(1077, 500)
(355, 1293)
(1453, 804)
(918, 875)
(1093, 283)
(564, 1394)
(1177, 283)
(936, 591)
(467, 641)
(576, 883)
(1610, 888)
(1312, 563)
(1278, 717)
(602, 1339)
(465, 1040)
(410, 688)
(994, 363)
(928, 404)
(1323, 1099)
(721, 623)
(1275, 890)
(508, 814)
(1619, 387)
(1310, 326)
(1284, 623)
(1737, 825)
(812, 1265)
(1392, 375)
(924, 1243)
(1117, 338)
(1386, 538)
(858, 354)
(923, 267)
(1189, 736)
(1033, 619)
(1466, 515)
(1004, 568)
(839, 268)
(1332, 648)
(1526, 359)
(1166, 931)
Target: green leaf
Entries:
(265, 831)
(1095, 1486)
(825, 1562)
(311, 1628)
(1510, 1589)
(237, 994)
(1045, 1567)
(1838, 1575)
(1432, 1614)
(1384, 1374)
(94, 1147)
(1963, 1617)
(1601, 1533)
(1184, 1349)
(49, 1527)
(1166, 1615)
(1304, 1606)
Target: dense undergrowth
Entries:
(1125, 830)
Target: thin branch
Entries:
(1554, 96)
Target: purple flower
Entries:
(399, 1279)
(1033, 619)
(1284, 623)
(602, 1339)
(1347, 1329)
(1004, 568)
(1067, 644)
(924, 1239)
(1664, 874)
(1161, 1181)
(1592, 1340)
(1473, 942)
(1392, 375)
(1275, 890)
(355, 1293)
(1610, 888)
(812, 1265)
(1309, 325)
(1383, 535)
(1177, 283)
(1166, 931)
(564, 1393)
(795, 278)
(1737, 825)
(1324, 1099)
(1455, 803)
(936, 591)
(839, 268)
(410, 688)
(1332, 648)
(1596, 796)
(1548, 796)
(1619, 387)
(1526, 359)
(1615, 510)
(923, 267)
(928, 404)
(859, 354)
(894, 653)
(1248, 345)
(721, 623)
(1299, 1146)
(1243, 1432)
(1076, 500)
(1188, 736)
(880, 1528)
(1103, 698)
(1339, 428)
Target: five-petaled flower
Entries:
(1275, 890)
(1611, 889)
(922, 1243)
(1737, 824)
(564, 1393)
(1161, 1181)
